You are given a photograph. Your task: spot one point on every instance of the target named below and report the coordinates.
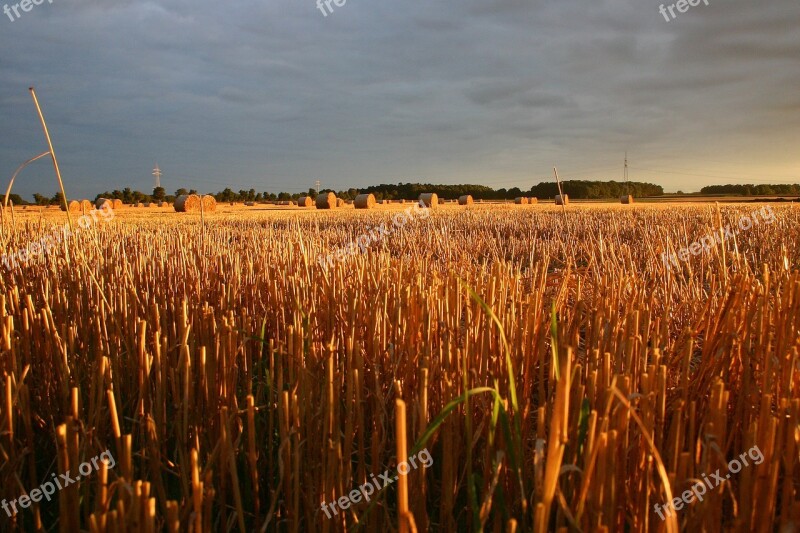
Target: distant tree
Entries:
(159, 193)
(16, 199)
(57, 199)
(226, 195)
(137, 196)
(40, 199)
(181, 192)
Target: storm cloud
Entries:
(274, 95)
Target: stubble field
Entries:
(560, 374)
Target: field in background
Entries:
(240, 384)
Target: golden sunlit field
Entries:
(248, 369)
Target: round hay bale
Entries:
(562, 200)
(209, 203)
(533, 200)
(249, 204)
(465, 200)
(86, 205)
(429, 199)
(116, 204)
(326, 201)
(626, 199)
(74, 206)
(187, 203)
(147, 204)
(305, 201)
(521, 200)
(105, 203)
(340, 202)
(365, 201)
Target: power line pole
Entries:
(627, 187)
(318, 185)
(157, 174)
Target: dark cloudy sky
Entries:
(273, 95)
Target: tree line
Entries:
(575, 189)
(752, 190)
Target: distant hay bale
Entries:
(74, 206)
(626, 199)
(305, 201)
(187, 203)
(533, 200)
(429, 199)
(86, 205)
(521, 200)
(465, 200)
(286, 202)
(249, 204)
(562, 200)
(326, 201)
(116, 204)
(340, 202)
(209, 203)
(105, 203)
(365, 201)
(163, 204)
(147, 204)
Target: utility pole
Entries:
(157, 174)
(627, 187)
(318, 185)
